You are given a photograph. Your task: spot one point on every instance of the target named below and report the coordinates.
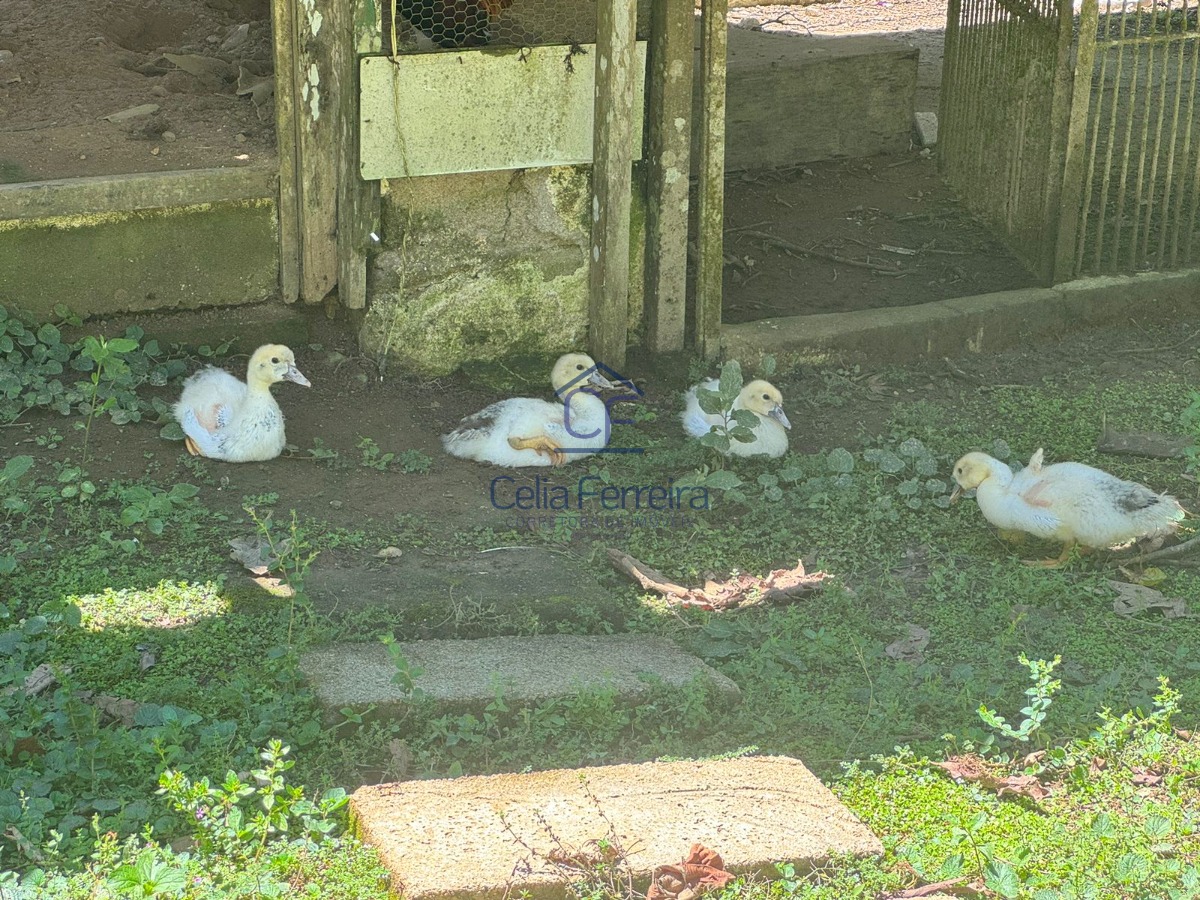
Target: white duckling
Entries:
(524, 431)
(238, 421)
(760, 397)
(1067, 502)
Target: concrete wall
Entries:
(791, 100)
(481, 266)
(177, 240)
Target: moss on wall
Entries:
(486, 265)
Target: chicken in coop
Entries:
(454, 23)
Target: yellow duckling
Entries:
(760, 397)
(237, 421)
(1067, 502)
(525, 431)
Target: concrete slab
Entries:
(492, 837)
(525, 669)
(926, 126)
(981, 324)
(794, 99)
(462, 596)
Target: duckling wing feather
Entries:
(205, 439)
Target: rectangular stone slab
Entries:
(488, 837)
(525, 669)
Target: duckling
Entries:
(1067, 501)
(237, 421)
(524, 431)
(760, 397)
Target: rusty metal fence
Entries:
(1071, 128)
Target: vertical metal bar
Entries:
(1069, 207)
(1112, 129)
(1093, 149)
(1133, 82)
(1139, 201)
(1181, 186)
(1181, 48)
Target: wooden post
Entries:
(284, 23)
(308, 93)
(710, 201)
(1064, 206)
(358, 200)
(668, 168)
(612, 180)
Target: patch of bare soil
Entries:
(68, 64)
(846, 235)
(347, 401)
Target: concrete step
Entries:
(527, 670)
(503, 835)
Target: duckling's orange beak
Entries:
(294, 374)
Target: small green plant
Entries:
(372, 456)
(413, 462)
(151, 506)
(109, 365)
(406, 674)
(1040, 695)
(290, 552)
(1190, 419)
(238, 819)
(325, 455)
(735, 424)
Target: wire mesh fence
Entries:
(423, 26)
(1141, 179)
(1071, 126)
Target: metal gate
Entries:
(1074, 132)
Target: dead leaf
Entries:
(117, 708)
(1183, 734)
(206, 68)
(701, 871)
(1098, 765)
(1034, 758)
(778, 586)
(1149, 577)
(261, 88)
(147, 658)
(1135, 598)
(1145, 777)
(973, 769)
(23, 844)
(390, 553)
(36, 681)
(254, 553)
(911, 647)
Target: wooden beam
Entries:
(612, 180)
(358, 200)
(318, 128)
(283, 21)
(1064, 199)
(710, 201)
(668, 168)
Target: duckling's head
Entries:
(764, 398)
(272, 363)
(971, 471)
(573, 371)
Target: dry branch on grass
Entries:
(779, 586)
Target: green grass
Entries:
(128, 571)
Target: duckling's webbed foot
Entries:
(541, 445)
(191, 446)
(1053, 563)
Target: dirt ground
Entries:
(66, 65)
(828, 408)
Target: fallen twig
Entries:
(1166, 554)
(832, 257)
(778, 586)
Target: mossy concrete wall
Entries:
(180, 240)
(486, 265)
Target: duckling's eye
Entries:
(275, 360)
(766, 396)
(579, 368)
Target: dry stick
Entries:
(1166, 553)
(832, 257)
